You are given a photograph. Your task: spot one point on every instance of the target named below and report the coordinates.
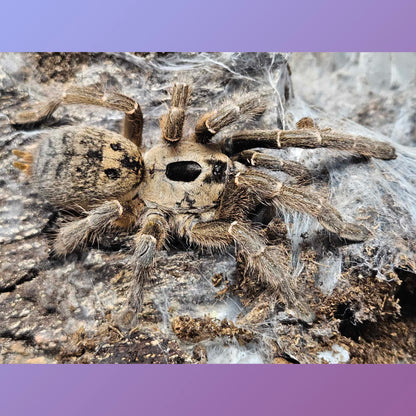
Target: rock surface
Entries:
(198, 307)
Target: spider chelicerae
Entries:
(188, 186)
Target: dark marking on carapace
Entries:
(208, 179)
(219, 170)
(183, 171)
(188, 200)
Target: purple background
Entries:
(257, 390)
(318, 25)
(213, 25)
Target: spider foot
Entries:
(354, 232)
(34, 117)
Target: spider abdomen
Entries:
(85, 166)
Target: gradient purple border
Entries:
(262, 390)
(216, 25)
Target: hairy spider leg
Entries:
(257, 159)
(75, 233)
(306, 138)
(269, 263)
(92, 95)
(239, 108)
(148, 241)
(268, 188)
(172, 123)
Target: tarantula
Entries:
(188, 186)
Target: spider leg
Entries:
(267, 188)
(245, 106)
(93, 95)
(172, 123)
(265, 261)
(253, 158)
(306, 137)
(76, 233)
(151, 237)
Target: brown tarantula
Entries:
(187, 187)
